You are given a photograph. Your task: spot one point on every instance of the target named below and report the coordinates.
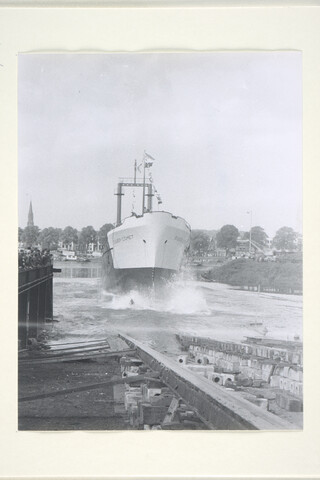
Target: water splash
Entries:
(188, 299)
(178, 298)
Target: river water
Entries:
(85, 309)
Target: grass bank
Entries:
(282, 276)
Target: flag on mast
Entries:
(148, 160)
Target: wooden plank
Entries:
(28, 286)
(83, 342)
(74, 357)
(93, 386)
(72, 351)
(79, 347)
(171, 411)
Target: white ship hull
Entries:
(146, 249)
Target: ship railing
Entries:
(131, 179)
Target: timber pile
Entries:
(67, 352)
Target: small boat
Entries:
(69, 258)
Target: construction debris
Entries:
(215, 385)
(271, 365)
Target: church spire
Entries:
(30, 216)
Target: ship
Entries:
(144, 250)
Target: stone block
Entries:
(275, 381)
(243, 381)
(131, 399)
(289, 403)
(148, 393)
(298, 389)
(182, 359)
(152, 414)
(162, 400)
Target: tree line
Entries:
(227, 238)
(49, 238)
(201, 241)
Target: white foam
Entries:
(178, 298)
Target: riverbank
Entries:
(276, 277)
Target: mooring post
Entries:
(33, 312)
(22, 319)
(42, 304)
(49, 299)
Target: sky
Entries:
(224, 128)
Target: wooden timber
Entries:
(71, 356)
(85, 388)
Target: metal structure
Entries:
(120, 194)
(144, 185)
(35, 301)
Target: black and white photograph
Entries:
(160, 241)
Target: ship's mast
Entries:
(144, 182)
(119, 202)
(135, 172)
(149, 195)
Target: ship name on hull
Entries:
(123, 239)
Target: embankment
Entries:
(281, 277)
